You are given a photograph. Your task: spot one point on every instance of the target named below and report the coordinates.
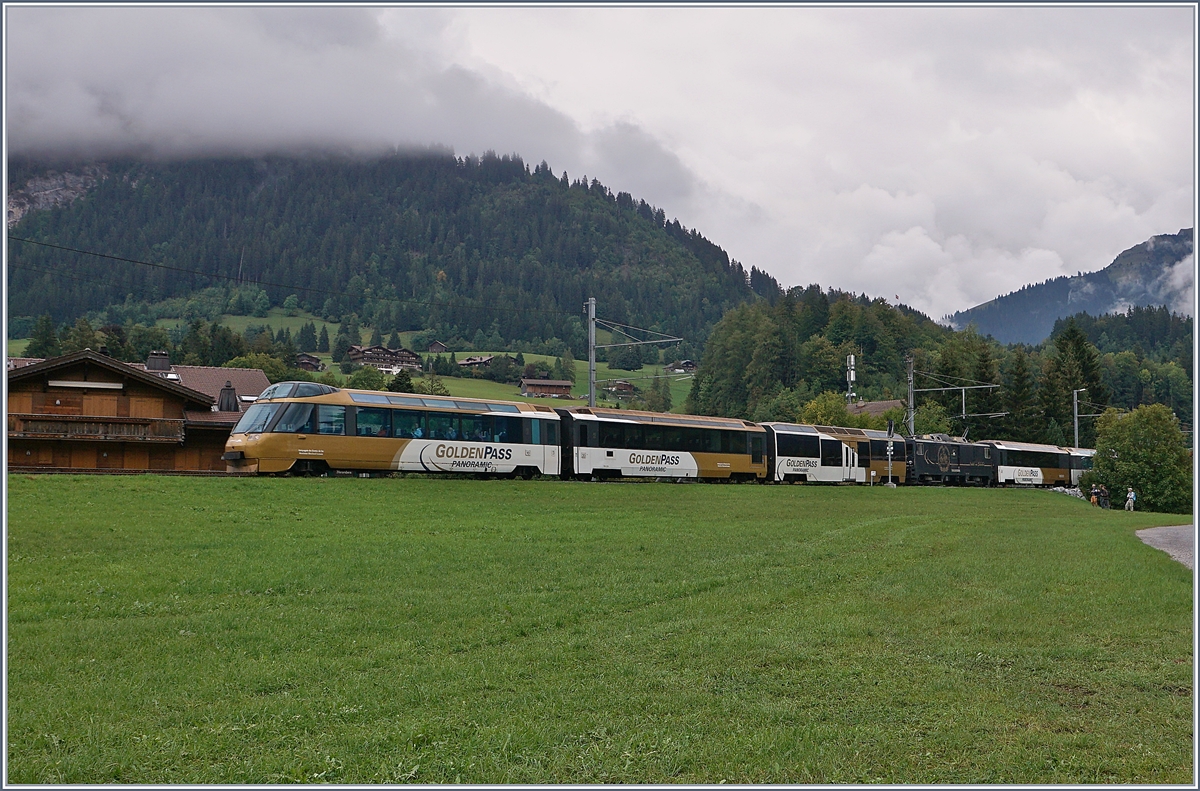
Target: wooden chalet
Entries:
(309, 362)
(554, 388)
(482, 360)
(437, 347)
(382, 357)
(85, 411)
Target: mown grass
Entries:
(167, 630)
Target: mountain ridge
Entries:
(1157, 272)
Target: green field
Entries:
(196, 630)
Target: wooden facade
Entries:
(558, 388)
(86, 411)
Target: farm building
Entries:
(87, 411)
(437, 347)
(555, 388)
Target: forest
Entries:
(782, 359)
(463, 246)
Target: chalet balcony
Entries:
(88, 427)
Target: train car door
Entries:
(849, 463)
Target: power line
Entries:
(282, 286)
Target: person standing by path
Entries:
(1104, 497)
(1130, 499)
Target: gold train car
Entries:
(309, 428)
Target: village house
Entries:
(437, 347)
(309, 362)
(553, 388)
(87, 411)
(388, 360)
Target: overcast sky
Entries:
(944, 155)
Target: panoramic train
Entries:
(309, 428)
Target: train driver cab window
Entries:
(296, 419)
(408, 424)
(331, 419)
(373, 422)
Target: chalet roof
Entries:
(21, 362)
(209, 379)
(210, 419)
(117, 367)
(547, 382)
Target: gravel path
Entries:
(1178, 542)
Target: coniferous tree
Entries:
(306, 341)
(394, 341)
(323, 341)
(376, 338)
(81, 336)
(340, 345)
(401, 383)
(44, 342)
(1022, 423)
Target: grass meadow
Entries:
(196, 630)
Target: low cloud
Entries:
(942, 155)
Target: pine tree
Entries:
(376, 337)
(401, 382)
(44, 342)
(984, 401)
(394, 340)
(340, 346)
(323, 341)
(79, 337)
(306, 341)
(1022, 423)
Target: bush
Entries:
(1144, 449)
(366, 378)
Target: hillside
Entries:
(1158, 271)
(498, 247)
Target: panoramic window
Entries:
(831, 453)
(475, 428)
(297, 418)
(331, 419)
(408, 424)
(371, 422)
(442, 425)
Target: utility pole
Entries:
(591, 314)
(912, 411)
(850, 378)
(621, 329)
(1075, 410)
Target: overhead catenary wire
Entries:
(260, 283)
